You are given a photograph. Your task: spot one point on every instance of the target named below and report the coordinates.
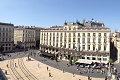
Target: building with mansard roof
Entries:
(87, 40)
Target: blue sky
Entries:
(46, 13)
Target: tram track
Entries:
(13, 70)
(23, 68)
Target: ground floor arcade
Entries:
(67, 53)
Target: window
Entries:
(105, 40)
(83, 34)
(104, 47)
(65, 39)
(94, 39)
(64, 45)
(104, 34)
(88, 34)
(78, 40)
(83, 56)
(78, 34)
(88, 47)
(99, 47)
(6, 29)
(99, 57)
(93, 57)
(83, 40)
(73, 39)
(3, 29)
(74, 46)
(69, 39)
(83, 47)
(99, 34)
(69, 34)
(73, 34)
(93, 34)
(88, 40)
(99, 40)
(93, 47)
(60, 44)
(69, 46)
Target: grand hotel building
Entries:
(89, 41)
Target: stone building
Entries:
(24, 37)
(6, 36)
(115, 46)
(87, 40)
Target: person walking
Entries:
(15, 65)
(49, 74)
(73, 74)
(47, 68)
(63, 70)
(7, 65)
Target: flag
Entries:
(56, 44)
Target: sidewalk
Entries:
(41, 72)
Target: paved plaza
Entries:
(54, 68)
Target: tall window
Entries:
(88, 47)
(93, 34)
(69, 46)
(78, 34)
(99, 40)
(65, 39)
(105, 40)
(83, 47)
(73, 39)
(88, 34)
(64, 45)
(60, 44)
(88, 40)
(69, 39)
(94, 39)
(83, 40)
(93, 47)
(83, 34)
(99, 47)
(73, 46)
(104, 47)
(78, 40)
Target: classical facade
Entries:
(24, 37)
(6, 36)
(89, 40)
(115, 46)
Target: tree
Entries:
(110, 61)
(76, 59)
(70, 61)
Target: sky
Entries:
(46, 13)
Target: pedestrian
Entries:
(6, 72)
(67, 65)
(106, 78)
(88, 77)
(73, 74)
(49, 74)
(15, 65)
(79, 71)
(57, 64)
(47, 68)
(7, 65)
(63, 70)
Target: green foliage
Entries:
(110, 61)
(76, 59)
(70, 61)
